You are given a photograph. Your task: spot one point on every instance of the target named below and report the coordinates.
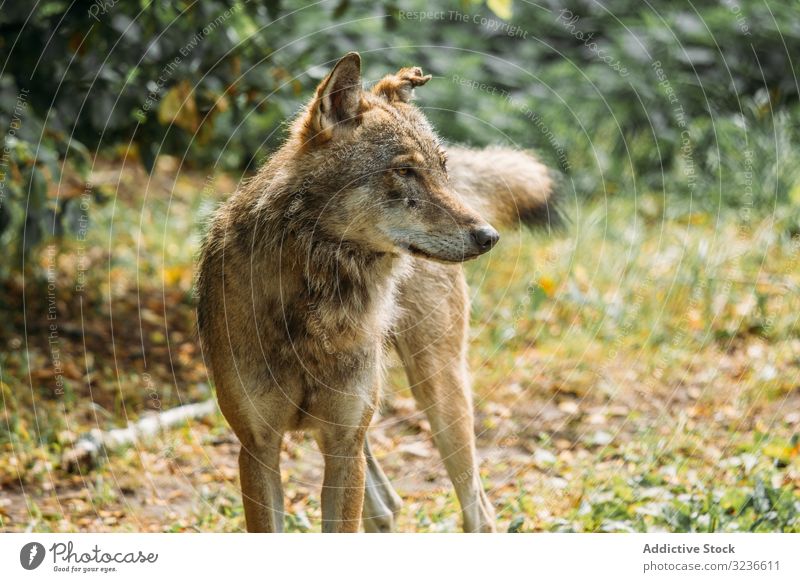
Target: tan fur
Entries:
(346, 241)
(524, 185)
(400, 86)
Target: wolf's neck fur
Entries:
(341, 289)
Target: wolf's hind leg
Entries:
(444, 394)
(381, 502)
(431, 340)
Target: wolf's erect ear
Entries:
(400, 86)
(338, 100)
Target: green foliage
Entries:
(686, 101)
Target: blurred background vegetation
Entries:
(626, 100)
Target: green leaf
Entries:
(516, 525)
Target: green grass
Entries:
(690, 327)
(637, 372)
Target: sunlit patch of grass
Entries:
(697, 321)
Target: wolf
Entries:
(348, 240)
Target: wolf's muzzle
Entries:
(485, 237)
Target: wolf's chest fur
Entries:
(325, 305)
(345, 300)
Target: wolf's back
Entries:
(507, 187)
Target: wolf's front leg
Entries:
(260, 475)
(345, 472)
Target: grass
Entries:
(672, 346)
(637, 372)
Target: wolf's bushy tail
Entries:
(507, 187)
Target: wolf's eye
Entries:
(403, 171)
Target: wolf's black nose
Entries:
(485, 237)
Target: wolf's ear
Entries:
(338, 99)
(400, 86)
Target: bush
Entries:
(696, 101)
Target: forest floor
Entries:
(639, 371)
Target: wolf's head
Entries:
(379, 165)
